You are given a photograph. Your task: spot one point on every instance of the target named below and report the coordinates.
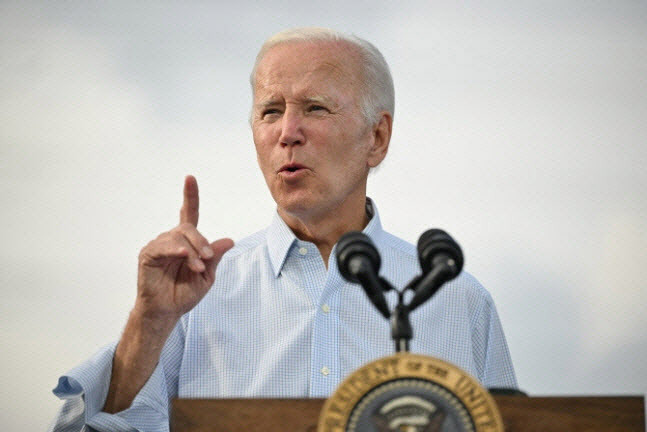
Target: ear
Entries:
(381, 137)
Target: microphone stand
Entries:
(401, 330)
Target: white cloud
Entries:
(519, 129)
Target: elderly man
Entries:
(272, 317)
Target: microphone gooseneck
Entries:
(441, 260)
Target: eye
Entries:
(312, 108)
(270, 112)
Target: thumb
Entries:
(219, 247)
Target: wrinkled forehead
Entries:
(317, 63)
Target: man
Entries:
(279, 320)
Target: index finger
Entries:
(190, 208)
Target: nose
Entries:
(291, 128)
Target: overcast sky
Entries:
(520, 128)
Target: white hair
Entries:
(377, 93)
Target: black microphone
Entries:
(441, 260)
(359, 262)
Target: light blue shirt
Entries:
(277, 323)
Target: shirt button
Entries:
(325, 371)
(303, 251)
(325, 308)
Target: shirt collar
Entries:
(280, 237)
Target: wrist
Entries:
(152, 322)
(136, 356)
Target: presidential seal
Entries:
(410, 393)
(406, 392)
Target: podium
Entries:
(520, 413)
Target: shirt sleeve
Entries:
(491, 350)
(84, 390)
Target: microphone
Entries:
(441, 260)
(359, 262)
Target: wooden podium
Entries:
(520, 413)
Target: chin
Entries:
(295, 207)
(297, 204)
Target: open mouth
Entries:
(291, 168)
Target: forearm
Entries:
(136, 357)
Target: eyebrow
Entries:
(318, 99)
(266, 104)
(311, 99)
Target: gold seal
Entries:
(410, 393)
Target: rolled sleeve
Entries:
(85, 388)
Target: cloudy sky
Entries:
(520, 128)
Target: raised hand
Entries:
(177, 268)
(175, 272)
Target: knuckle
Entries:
(145, 253)
(150, 245)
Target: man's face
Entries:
(312, 142)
